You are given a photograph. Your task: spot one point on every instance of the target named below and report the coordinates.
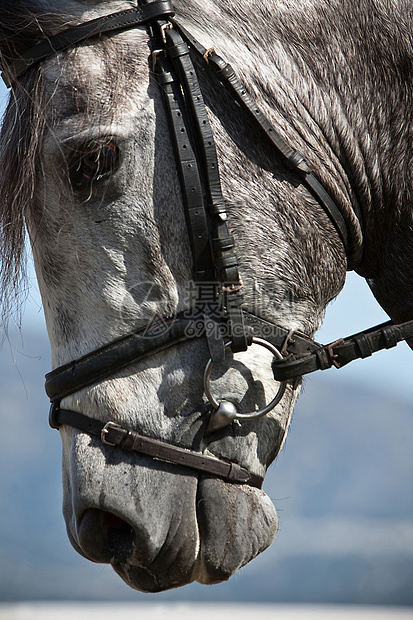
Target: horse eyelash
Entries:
(77, 159)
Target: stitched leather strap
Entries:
(204, 272)
(188, 169)
(188, 98)
(343, 351)
(292, 159)
(106, 361)
(114, 435)
(75, 34)
(103, 362)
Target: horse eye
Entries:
(92, 164)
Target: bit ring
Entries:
(256, 414)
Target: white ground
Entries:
(187, 611)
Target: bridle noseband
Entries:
(226, 325)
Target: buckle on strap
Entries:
(238, 474)
(106, 430)
(333, 357)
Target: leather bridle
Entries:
(225, 324)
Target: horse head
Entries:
(100, 192)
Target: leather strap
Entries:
(118, 354)
(188, 169)
(105, 361)
(75, 34)
(196, 210)
(202, 158)
(112, 434)
(292, 159)
(343, 351)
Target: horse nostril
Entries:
(105, 537)
(112, 521)
(119, 535)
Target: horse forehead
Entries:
(110, 74)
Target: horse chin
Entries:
(236, 523)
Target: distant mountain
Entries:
(342, 487)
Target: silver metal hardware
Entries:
(165, 27)
(288, 339)
(105, 430)
(154, 57)
(225, 412)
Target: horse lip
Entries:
(236, 523)
(133, 574)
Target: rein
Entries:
(225, 324)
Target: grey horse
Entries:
(88, 169)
